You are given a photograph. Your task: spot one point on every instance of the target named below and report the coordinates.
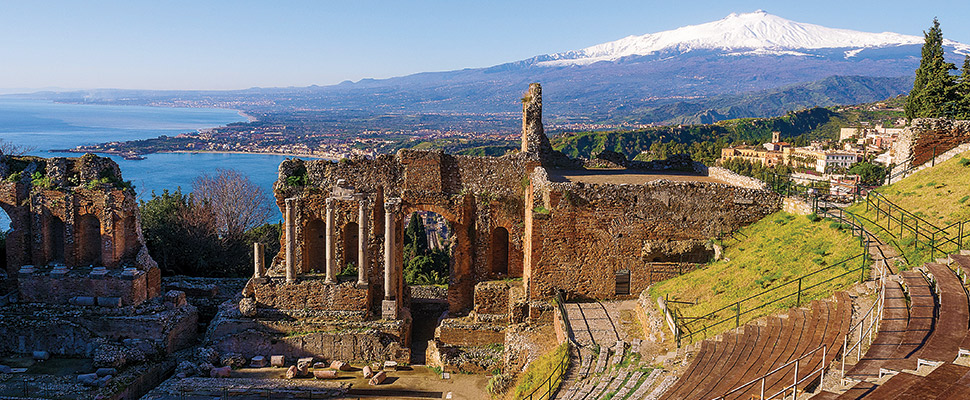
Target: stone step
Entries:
(647, 383)
(661, 388)
(630, 384)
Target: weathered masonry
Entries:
(509, 220)
(77, 269)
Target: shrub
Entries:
(541, 210)
(965, 162)
(814, 217)
(499, 384)
(14, 177)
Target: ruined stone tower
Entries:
(534, 138)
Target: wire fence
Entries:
(914, 230)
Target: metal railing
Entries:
(687, 325)
(924, 233)
(820, 370)
(867, 325)
(552, 382)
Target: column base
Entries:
(389, 309)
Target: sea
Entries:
(45, 126)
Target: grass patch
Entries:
(939, 195)
(766, 256)
(536, 373)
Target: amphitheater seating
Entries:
(722, 365)
(892, 328)
(921, 312)
(954, 316)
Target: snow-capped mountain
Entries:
(745, 65)
(756, 33)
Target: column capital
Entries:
(330, 201)
(392, 205)
(290, 201)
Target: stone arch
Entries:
(499, 252)
(350, 234)
(315, 246)
(88, 240)
(461, 285)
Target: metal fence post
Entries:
(737, 316)
(798, 302)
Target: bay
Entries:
(44, 126)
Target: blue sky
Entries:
(239, 44)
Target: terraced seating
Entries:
(892, 329)
(921, 312)
(943, 345)
(721, 366)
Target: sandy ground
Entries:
(622, 176)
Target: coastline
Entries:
(315, 157)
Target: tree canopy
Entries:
(936, 93)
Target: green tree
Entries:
(869, 173)
(422, 265)
(933, 89)
(963, 91)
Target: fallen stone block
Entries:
(277, 361)
(220, 372)
(303, 365)
(320, 365)
(233, 360)
(367, 372)
(292, 372)
(114, 302)
(390, 365)
(88, 379)
(41, 355)
(104, 380)
(324, 374)
(340, 366)
(5, 369)
(378, 378)
(106, 371)
(82, 301)
(257, 362)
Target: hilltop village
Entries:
(568, 278)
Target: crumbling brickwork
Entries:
(75, 231)
(927, 137)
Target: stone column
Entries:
(389, 211)
(290, 218)
(331, 263)
(259, 260)
(362, 242)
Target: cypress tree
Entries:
(963, 91)
(933, 86)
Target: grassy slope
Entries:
(940, 195)
(779, 248)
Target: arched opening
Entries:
(315, 242)
(88, 235)
(350, 235)
(500, 252)
(55, 231)
(427, 239)
(6, 226)
(123, 236)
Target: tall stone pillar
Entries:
(259, 260)
(389, 211)
(533, 135)
(331, 263)
(389, 306)
(362, 242)
(290, 218)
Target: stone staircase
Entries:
(609, 378)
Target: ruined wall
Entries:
(582, 235)
(476, 195)
(71, 213)
(310, 295)
(928, 136)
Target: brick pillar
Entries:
(290, 239)
(331, 264)
(362, 242)
(259, 260)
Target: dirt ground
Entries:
(417, 382)
(621, 176)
